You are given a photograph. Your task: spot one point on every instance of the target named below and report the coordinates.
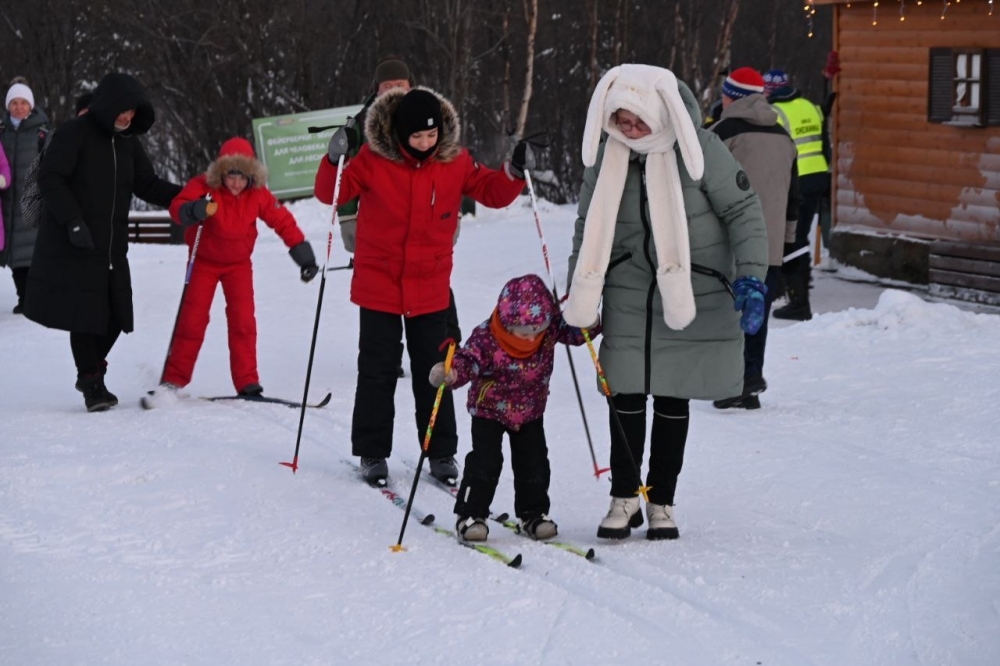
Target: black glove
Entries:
(345, 140)
(522, 159)
(196, 211)
(79, 235)
(302, 254)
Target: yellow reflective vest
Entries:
(804, 123)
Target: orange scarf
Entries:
(510, 343)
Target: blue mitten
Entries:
(750, 299)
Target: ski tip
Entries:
(428, 519)
(145, 403)
(590, 554)
(325, 401)
(515, 561)
(502, 518)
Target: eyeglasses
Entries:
(629, 125)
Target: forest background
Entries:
(512, 68)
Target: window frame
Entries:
(945, 87)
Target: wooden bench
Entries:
(153, 226)
(965, 271)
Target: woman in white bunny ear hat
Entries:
(663, 202)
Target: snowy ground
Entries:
(855, 519)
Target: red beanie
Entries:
(237, 146)
(742, 82)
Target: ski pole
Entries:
(187, 280)
(319, 306)
(427, 442)
(606, 389)
(569, 354)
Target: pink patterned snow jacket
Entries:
(513, 391)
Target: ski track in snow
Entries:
(854, 519)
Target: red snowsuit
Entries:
(223, 256)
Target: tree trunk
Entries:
(531, 20)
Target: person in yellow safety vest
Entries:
(804, 122)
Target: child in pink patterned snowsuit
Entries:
(509, 359)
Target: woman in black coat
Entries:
(80, 280)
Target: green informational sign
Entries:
(290, 153)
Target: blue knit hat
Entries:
(774, 79)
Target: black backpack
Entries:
(32, 205)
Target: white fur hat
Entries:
(650, 93)
(19, 90)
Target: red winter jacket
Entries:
(408, 211)
(228, 237)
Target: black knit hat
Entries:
(419, 110)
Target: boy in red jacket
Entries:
(410, 177)
(226, 201)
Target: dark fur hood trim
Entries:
(248, 165)
(382, 138)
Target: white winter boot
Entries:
(661, 522)
(471, 529)
(623, 515)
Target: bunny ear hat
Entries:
(652, 94)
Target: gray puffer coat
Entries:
(639, 353)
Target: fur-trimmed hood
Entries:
(238, 154)
(381, 134)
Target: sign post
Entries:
(290, 153)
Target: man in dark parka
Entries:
(80, 280)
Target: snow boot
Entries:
(161, 396)
(102, 372)
(661, 521)
(252, 390)
(752, 387)
(374, 471)
(540, 528)
(95, 395)
(445, 470)
(798, 294)
(623, 515)
(471, 529)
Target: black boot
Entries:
(103, 370)
(95, 395)
(797, 282)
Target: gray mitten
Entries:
(437, 376)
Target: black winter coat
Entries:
(89, 174)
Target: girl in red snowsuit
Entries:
(226, 201)
(410, 177)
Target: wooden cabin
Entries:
(915, 132)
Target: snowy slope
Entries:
(855, 519)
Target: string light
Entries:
(810, 9)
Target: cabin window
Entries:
(964, 87)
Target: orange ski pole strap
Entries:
(437, 399)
